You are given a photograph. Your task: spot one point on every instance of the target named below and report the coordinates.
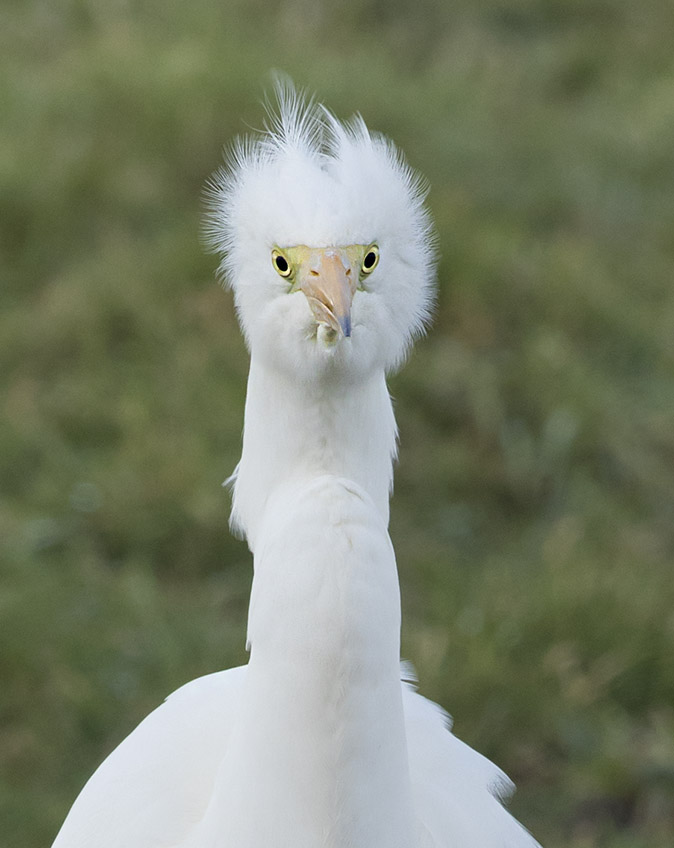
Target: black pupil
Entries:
(281, 264)
(369, 260)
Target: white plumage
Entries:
(315, 743)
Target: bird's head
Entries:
(325, 242)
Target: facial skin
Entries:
(329, 278)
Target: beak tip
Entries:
(345, 324)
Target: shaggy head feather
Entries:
(310, 179)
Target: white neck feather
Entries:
(320, 745)
(295, 430)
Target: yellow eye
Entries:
(280, 263)
(370, 259)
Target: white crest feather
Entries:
(312, 179)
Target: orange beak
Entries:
(329, 283)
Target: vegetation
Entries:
(533, 514)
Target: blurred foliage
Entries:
(533, 514)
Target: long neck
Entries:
(320, 746)
(294, 430)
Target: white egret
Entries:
(316, 742)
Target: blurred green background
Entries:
(534, 508)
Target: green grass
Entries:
(534, 505)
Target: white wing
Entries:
(153, 789)
(457, 792)
(155, 786)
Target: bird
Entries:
(322, 740)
